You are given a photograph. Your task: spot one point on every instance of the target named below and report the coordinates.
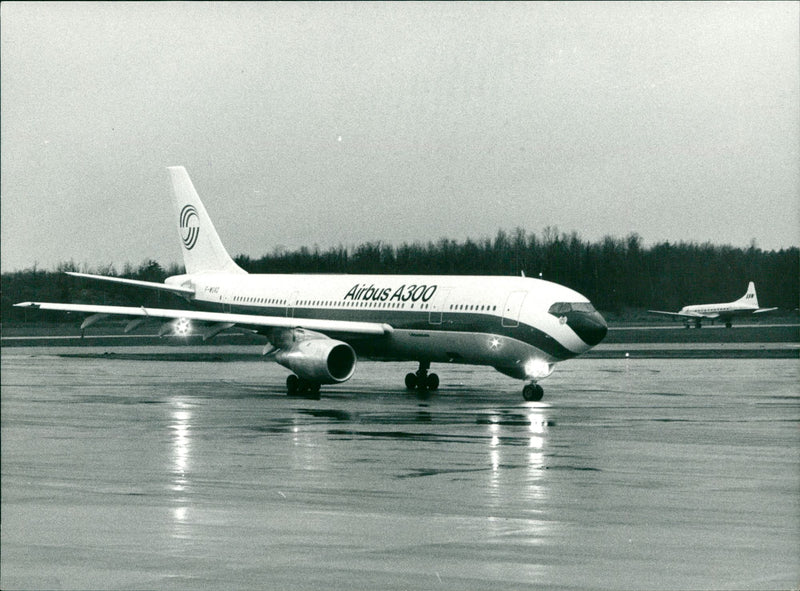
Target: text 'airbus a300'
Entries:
(316, 325)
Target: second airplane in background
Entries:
(744, 306)
(315, 325)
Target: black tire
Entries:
(411, 381)
(432, 382)
(533, 392)
(292, 385)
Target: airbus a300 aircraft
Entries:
(315, 325)
(745, 305)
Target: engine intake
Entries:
(324, 361)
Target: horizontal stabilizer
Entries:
(136, 283)
(336, 326)
(760, 310)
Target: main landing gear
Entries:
(532, 392)
(422, 380)
(299, 387)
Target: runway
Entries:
(756, 340)
(631, 474)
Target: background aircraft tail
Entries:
(750, 297)
(200, 243)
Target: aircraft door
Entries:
(438, 306)
(512, 308)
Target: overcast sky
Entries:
(339, 123)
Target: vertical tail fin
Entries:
(750, 297)
(200, 243)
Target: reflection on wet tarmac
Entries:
(180, 445)
(181, 448)
(184, 475)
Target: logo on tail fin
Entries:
(189, 224)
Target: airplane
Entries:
(317, 325)
(745, 305)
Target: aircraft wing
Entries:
(244, 320)
(682, 314)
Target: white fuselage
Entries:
(499, 321)
(719, 310)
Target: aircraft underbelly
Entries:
(450, 347)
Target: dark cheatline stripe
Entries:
(416, 320)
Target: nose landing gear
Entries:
(532, 392)
(422, 380)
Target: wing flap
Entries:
(338, 326)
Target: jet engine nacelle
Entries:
(324, 361)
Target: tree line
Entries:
(617, 274)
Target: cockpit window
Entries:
(561, 308)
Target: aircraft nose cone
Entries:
(591, 327)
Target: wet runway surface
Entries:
(650, 473)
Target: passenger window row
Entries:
(362, 304)
(330, 303)
(357, 304)
(274, 301)
(474, 307)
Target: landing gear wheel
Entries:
(299, 387)
(421, 380)
(532, 392)
(432, 382)
(411, 381)
(728, 324)
(292, 385)
(312, 390)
